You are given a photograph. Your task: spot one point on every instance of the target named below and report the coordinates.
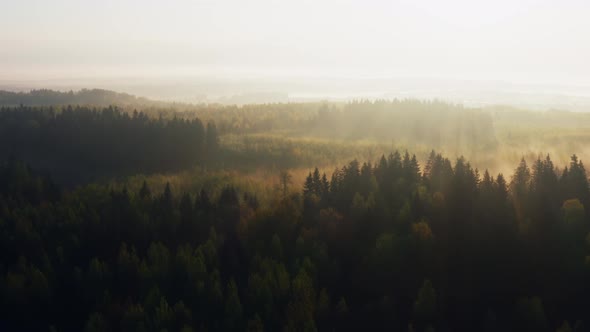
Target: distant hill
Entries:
(95, 97)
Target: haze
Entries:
(295, 165)
(299, 48)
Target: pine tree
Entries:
(425, 305)
(233, 308)
(212, 140)
(308, 187)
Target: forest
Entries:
(399, 215)
(48, 97)
(80, 144)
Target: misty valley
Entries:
(120, 213)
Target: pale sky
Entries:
(532, 41)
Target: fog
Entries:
(294, 165)
(460, 50)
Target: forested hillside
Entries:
(390, 246)
(214, 218)
(80, 144)
(432, 123)
(99, 142)
(303, 166)
(96, 97)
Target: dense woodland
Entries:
(393, 243)
(46, 97)
(79, 144)
(433, 123)
(391, 246)
(254, 135)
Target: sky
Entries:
(526, 41)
